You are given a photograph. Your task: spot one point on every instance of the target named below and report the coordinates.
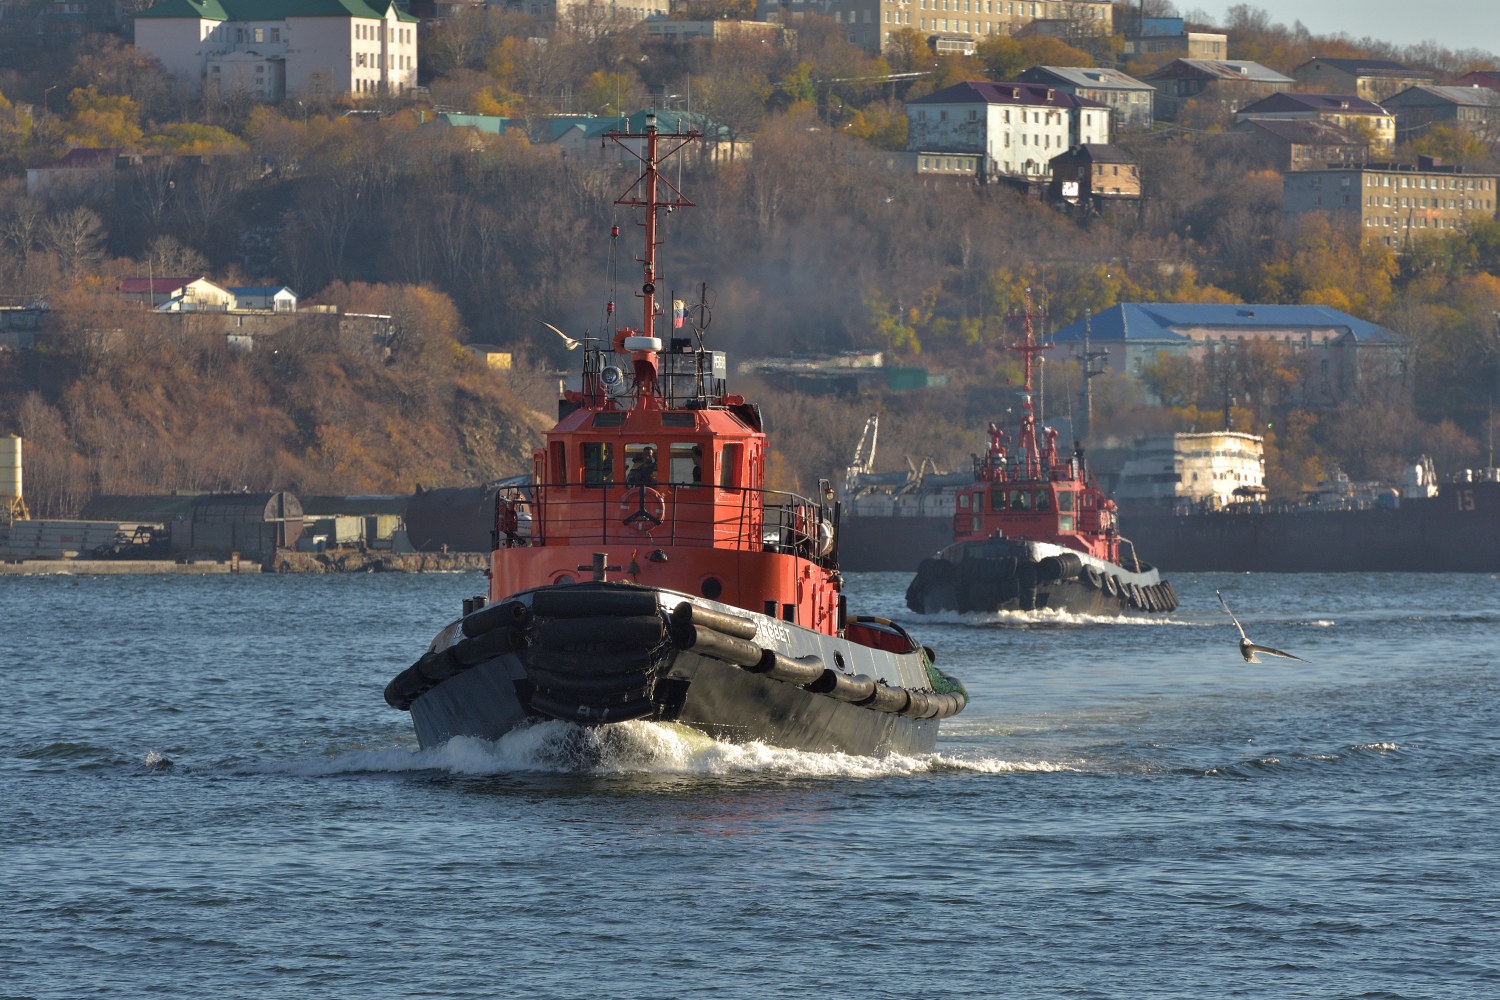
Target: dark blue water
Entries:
(203, 793)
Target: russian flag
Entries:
(679, 314)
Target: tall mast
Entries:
(1027, 348)
(646, 193)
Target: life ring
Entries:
(642, 508)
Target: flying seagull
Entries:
(568, 341)
(1248, 649)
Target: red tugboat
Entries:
(1034, 531)
(647, 573)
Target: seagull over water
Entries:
(568, 341)
(1248, 649)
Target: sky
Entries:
(1453, 24)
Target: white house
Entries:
(275, 49)
(276, 298)
(1015, 128)
(178, 294)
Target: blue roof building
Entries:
(1337, 349)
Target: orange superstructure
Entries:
(1034, 531)
(647, 573)
(654, 462)
(1034, 493)
(695, 517)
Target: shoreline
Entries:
(284, 562)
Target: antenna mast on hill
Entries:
(1087, 361)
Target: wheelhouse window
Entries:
(558, 474)
(729, 466)
(1065, 501)
(997, 500)
(687, 463)
(1043, 500)
(1020, 499)
(640, 464)
(598, 463)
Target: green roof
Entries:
(273, 10)
(205, 10)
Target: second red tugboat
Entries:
(1034, 531)
(647, 573)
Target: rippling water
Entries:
(204, 793)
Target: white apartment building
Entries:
(1218, 467)
(948, 25)
(1017, 128)
(275, 49)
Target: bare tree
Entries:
(150, 188)
(76, 235)
(21, 229)
(210, 195)
(168, 256)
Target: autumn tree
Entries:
(1005, 57)
(103, 121)
(194, 139)
(15, 132)
(114, 68)
(1319, 262)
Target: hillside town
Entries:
(1239, 228)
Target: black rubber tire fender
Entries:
(625, 632)
(567, 662)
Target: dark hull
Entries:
(1008, 575)
(876, 544)
(1456, 532)
(773, 682)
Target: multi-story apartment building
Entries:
(1372, 79)
(1131, 99)
(720, 30)
(1393, 204)
(1346, 111)
(1474, 108)
(1227, 85)
(948, 25)
(1154, 36)
(1299, 144)
(272, 49)
(1007, 129)
(586, 16)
